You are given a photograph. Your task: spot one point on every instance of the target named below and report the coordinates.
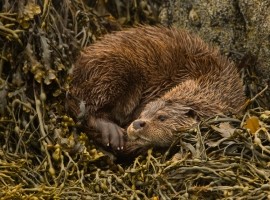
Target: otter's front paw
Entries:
(112, 134)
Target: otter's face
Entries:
(158, 122)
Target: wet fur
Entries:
(140, 71)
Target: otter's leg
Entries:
(110, 94)
(112, 134)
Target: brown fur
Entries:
(175, 73)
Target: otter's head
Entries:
(158, 122)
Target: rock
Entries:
(241, 29)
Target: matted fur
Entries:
(172, 69)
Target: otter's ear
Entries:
(192, 113)
(169, 102)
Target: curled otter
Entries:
(153, 80)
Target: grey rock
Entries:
(240, 28)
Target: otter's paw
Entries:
(112, 134)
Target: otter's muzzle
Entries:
(135, 129)
(138, 124)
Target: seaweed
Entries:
(42, 156)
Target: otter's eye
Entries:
(162, 118)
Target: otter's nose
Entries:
(138, 124)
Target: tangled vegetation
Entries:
(43, 157)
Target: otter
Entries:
(151, 82)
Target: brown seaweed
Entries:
(42, 156)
